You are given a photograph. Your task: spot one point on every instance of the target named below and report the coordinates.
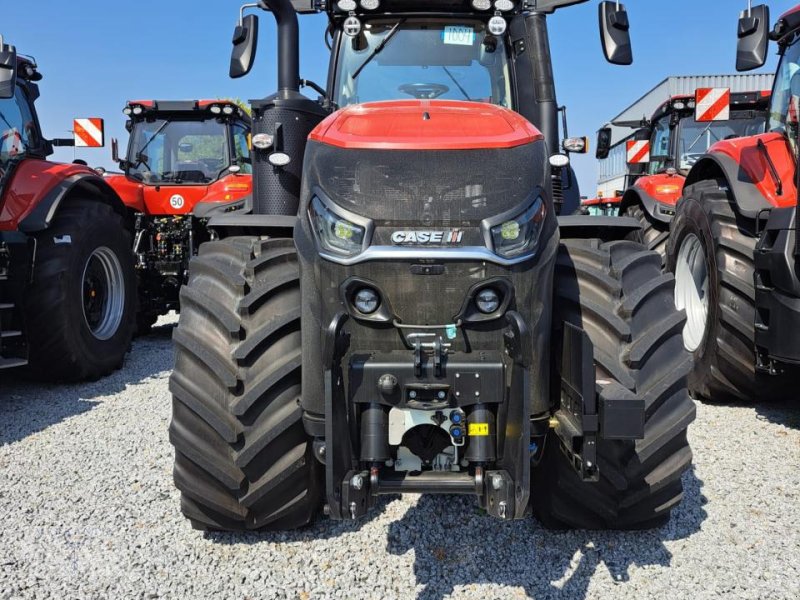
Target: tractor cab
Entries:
(484, 52)
(680, 134)
(181, 153)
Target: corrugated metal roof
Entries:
(684, 85)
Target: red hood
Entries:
(425, 125)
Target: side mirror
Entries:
(578, 145)
(8, 70)
(603, 143)
(753, 35)
(245, 41)
(115, 150)
(615, 34)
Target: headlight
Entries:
(487, 301)
(367, 300)
(520, 235)
(334, 233)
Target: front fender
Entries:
(84, 184)
(656, 210)
(742, 165)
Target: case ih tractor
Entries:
(67, 284)
(183, 159)
(404, 312)
(667, 146)
(734, 242)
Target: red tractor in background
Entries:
(67, 283)
(665, 148)
(185, 160)
(734, 243)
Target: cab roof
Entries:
(186, 107)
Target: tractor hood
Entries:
(427, 163)
(425, 125)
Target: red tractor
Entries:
(67, 282)
(666, 146)
(734, 243)
(404, 311)
(186, 160)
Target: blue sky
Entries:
(96, 54)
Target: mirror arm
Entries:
(245, 7)
(314, 86)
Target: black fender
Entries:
(605, 228)
(84, 185)
(650, 205)
(749, 200)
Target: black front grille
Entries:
(450, 188)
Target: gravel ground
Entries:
(88, 510)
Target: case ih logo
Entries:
(449, 236)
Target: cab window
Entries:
(659, 146)
(241, 149)
(17, 129)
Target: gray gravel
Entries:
(88, 510)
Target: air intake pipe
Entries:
(544, 113)
(288, 43)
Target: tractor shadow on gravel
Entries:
(27, 406)
(456, 545)
(321, 529)
(781, 412)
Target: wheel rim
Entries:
(691, 290)
(103, 289)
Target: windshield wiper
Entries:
(141, 157)
(381, 45)
(699, 137)
(458, 85)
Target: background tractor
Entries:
(734, 246)
(67, 285)
(403, 310)
(672, 140)
(185, 159)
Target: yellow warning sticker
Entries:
(478, 429)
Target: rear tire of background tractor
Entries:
(724, 354)
(242, 458)
(653, 234)
(80, 307)
(617, 293)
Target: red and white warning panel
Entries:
(712, 104)
(638, 152)
(89, 133)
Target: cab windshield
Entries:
(423, 59)
(785, 103)
(176, 152)
(695, 138)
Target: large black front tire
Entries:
(80, 308)
(617, 293)
(242, 458)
